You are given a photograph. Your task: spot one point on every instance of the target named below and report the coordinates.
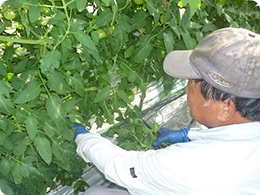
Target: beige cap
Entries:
(228, 59)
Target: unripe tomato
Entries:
(131, 96)
(162, 19)
(139, 2)
(101, 33)
(163, 53)
(9, 15)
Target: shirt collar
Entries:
(230, 132)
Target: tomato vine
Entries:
(82, 59)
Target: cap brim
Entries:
(177, 64)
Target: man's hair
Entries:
(248, 108)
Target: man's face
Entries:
(202, 111)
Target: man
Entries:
(223, 94)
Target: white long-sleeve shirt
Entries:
(223, 160)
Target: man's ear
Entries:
(227, 111)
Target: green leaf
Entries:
(3, 25)
(143, 90)
(120, 39)
(17, 177)
(194, 25)
(199, 36)
(168, 84)
(67, 43)
(24, 171)
(193, 4)
(20, 66)
(81, 4)
(43, 147)
(95, 55)
(189, 42)
(80, 186)
(2, 137)
(219, 9)
(139, 20)
(129, 51)
(155, 126)
(77, 83)
(56, 81)
(5, 167)
(89, 44)
(50, 61)
(123, 23)
(107, 112)
(175, 28)
(122, 95)
(18, 84)
(73, 64)
(229, 19)
(6, 105)
(107, 2)
(153, 11)
(55, 109)
(14, 4)
(208, 27)
(5, 90)
(143, 52)
(9, 52)
(50, 129)
(27, 170)
(5, 188)
(104, 18)
(85, 40)
(34, 13)
(102, 95)
(20, 115)
(57, 151)
(3, 71)
(168, 41)
(21, 147)
(29, 93)
(31, 126)
(131, 76)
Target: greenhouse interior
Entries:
(98, 63)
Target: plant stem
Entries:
(43, 82)
(68, 23)
(25, 22)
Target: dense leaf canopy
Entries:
(83, 59)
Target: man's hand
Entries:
(79, 129)
(171, 136)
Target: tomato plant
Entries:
(56, 64)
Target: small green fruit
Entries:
(131, 96)
(139, 2)
(101, 33)
(9, 15)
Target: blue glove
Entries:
(170, 136)
(79, 129)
